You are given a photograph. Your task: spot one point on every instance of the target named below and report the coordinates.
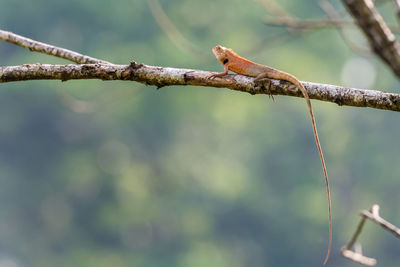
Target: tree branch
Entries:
(165, 76)
(315, 24)
(380, 37)
(373, 215)
(302, 24)
(396, 4)
(40, 47)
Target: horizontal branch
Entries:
(165, 76)
(304, 24)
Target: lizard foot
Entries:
(265, 84)
(216, 75)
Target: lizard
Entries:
(233, 62)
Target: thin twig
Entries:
(48, 49)
(302, 24)
(278, 39)
(274, 8)
(169, 28)
(356, 233)
(316, 24)
(278, 12)
(359, 258)
(373, 215)
(331, 12)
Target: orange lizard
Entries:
(235, 63)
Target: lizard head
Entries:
(222, 53)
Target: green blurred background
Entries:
(116, 173)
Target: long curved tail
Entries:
(290, 78)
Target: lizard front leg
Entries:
(226, 69)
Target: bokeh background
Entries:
(97, 173)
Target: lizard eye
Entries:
(225, 61)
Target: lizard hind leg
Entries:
(265, 84)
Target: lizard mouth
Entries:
(215, 49)
(219, 51)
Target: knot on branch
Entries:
(134, 65)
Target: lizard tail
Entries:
(290, 78)
(328, 191)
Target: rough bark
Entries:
(165, 76)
